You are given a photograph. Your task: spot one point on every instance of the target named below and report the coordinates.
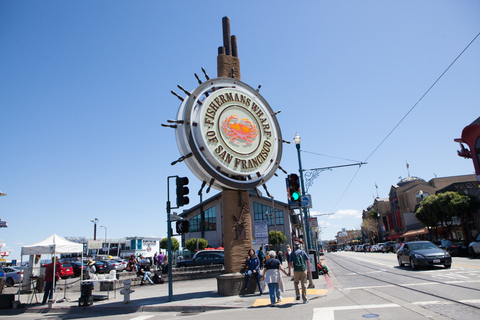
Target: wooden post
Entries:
(237, 226)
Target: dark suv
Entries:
(203, 258)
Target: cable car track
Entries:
(404, 286)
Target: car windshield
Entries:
(422, 246)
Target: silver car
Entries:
(115, 265)
(13, 275)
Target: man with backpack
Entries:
(300, 263)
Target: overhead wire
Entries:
(404, 117)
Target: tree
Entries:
(164, 244)
(463, 206)
(279, 238)
(191, 244)
(440, 210)
(370, 225)
(427, 213)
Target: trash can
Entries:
(86, 298)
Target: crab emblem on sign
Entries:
(243, 130)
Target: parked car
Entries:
(114, 265)
(458, 248)
(474, 247)
(422, 253)
(122, 261)
(203, 258)
(380, 247)
(390, 246)
(13, 275)
(101, 267)
(67, 270)
(77, 268)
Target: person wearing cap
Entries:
(145, 272)
(301, 267)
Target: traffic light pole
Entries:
(182, 199)
(169, 241)
(305, 211)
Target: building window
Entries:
(264, 213)
(210, 219)
(420, 195)
(195, 223)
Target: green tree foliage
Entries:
(191, 244)
(164, 244)
(279, 238)
(463, 206)
(370, 225)
(440, 210)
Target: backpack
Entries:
(299, 262)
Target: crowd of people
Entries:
(271, 264)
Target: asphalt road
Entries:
(372, 284)
(367, 285)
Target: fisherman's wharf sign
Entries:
(229, 135)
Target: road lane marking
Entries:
(310, 293)
(328, 313)
(462, 265)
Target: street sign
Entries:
(307, 201)
(313, 222)
(261, 232)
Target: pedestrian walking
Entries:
(287, 254)
(273, 278)
(301, 267)
(280, 257)
(261, 257)
(252, 265)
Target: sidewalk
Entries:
(188, 296)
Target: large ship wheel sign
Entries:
(227, 134)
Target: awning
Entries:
(413, 233)
(394, 236)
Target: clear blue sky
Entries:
(85, 85)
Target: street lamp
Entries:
(274, 222)
(95, 221)
(106, 238)
(297, 140)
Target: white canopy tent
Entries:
(52, 245)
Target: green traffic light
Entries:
(296, 196)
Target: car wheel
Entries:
(412, 264)
(448, 266)
(10, 282)
(472, 252)
(400, 264)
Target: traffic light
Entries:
(182, 191)
(294, 188)
(183, 226)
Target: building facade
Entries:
(397, 219)
(206, 219)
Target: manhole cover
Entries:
(370, 315)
